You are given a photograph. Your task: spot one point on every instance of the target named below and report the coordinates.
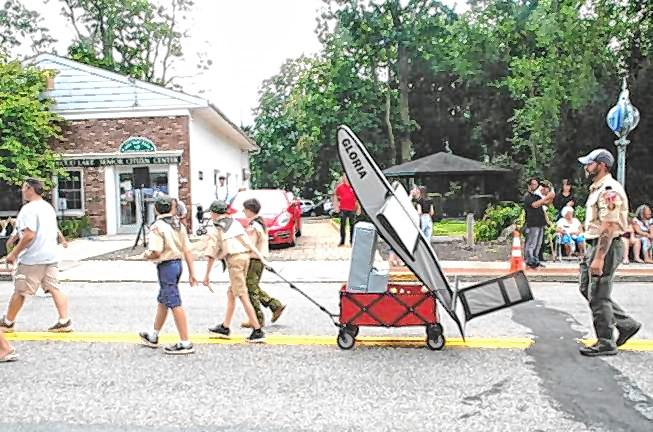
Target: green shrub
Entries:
(75, 227)
(497, 218)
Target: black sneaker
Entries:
(148, 340)
(179, 349)
(219, 331)
(598, 350)
(257, 336)
(627, 333)
(7, 328)
(62, 328)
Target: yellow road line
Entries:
(309, 340)
(305, 340)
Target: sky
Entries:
(247, 40)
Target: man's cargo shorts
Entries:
(169, 274)
(27, 278)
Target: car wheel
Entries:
(313, 214)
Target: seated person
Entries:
(628, 239)
(643, 229)
(570, 232)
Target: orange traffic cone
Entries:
(516, 259)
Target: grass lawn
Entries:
(446, 227)
(449, 227)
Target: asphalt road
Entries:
(100, 386)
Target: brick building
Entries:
(125, 138)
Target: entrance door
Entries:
(128, 221)
(133, 208)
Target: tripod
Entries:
(140, 202)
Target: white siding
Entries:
(80, 87)
(210, 150)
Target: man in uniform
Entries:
(605, 221)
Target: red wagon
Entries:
(403, 304)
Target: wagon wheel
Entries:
(352, 330)
(434, 338)
(345, 340)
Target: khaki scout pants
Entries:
(237, 265)
(597, 290)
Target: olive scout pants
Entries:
(598, 289)
(257, 296)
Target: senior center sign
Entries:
(132, 151)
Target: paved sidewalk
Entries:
(335, 271)
(315, 258)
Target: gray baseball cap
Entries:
(598, 155)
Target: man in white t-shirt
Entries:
(570, 231)
(36, 258)
(222, 192)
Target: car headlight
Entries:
(283, 219)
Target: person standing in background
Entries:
(222, 192)
(345, 204)
(564, 198)
(535, 223)
(426, 212)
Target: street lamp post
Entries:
(622, 119)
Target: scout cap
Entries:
(598, 155)
(218, 207)
(163, 204)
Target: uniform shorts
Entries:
(27, 278)
(169, 274)
(237, 266)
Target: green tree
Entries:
(518, 83)
(19, 25)
(26, 124)
(132, 37)
(282, 162)
(384, 36)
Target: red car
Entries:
(280, 210)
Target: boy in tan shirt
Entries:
(168, 243)
(229, 242)
(257, 232)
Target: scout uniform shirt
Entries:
(169, 242)
(607, 202)
(259, 237)
(230, 241)
(224, 243)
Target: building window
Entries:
(10, 199)
(70, 189)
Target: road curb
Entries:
(461, 278)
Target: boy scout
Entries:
(605, 221)
(258, 234)
(229, 242)
(168, 243)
